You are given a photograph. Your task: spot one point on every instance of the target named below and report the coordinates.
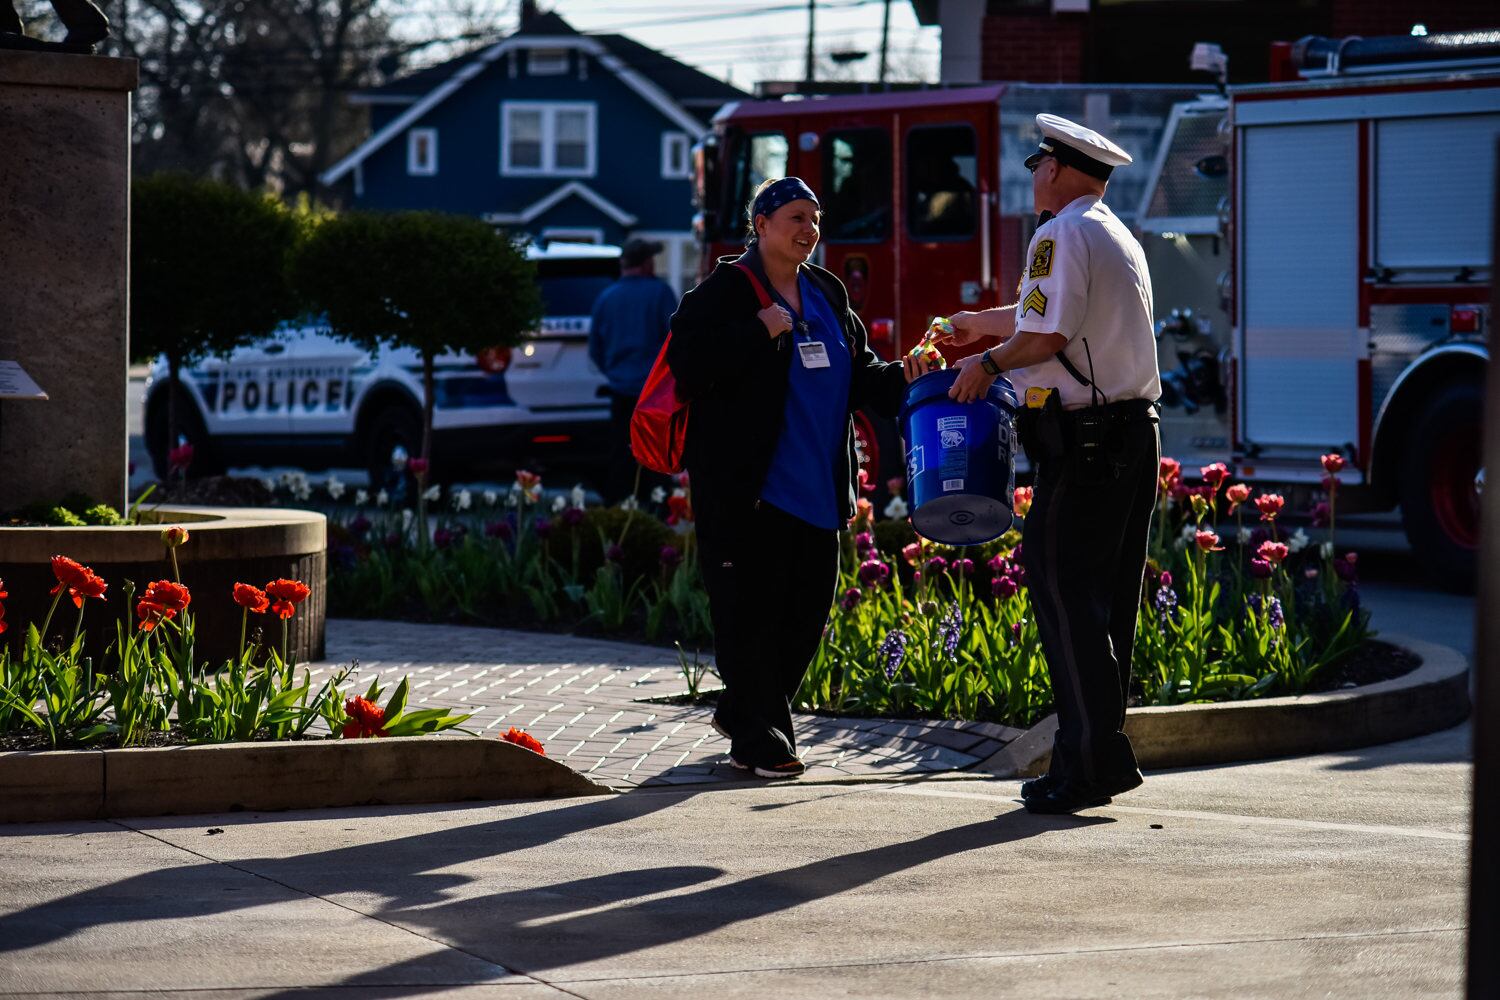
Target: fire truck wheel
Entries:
(190, 429)
(879, 449)
(395, 428)
(1439, 501)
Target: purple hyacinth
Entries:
(950, 629)
(1166, 606)
(892, 652)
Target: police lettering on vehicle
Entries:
(325, 390)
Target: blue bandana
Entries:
(782, 192)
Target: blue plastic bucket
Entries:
(960, 460)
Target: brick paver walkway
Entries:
(587, 701)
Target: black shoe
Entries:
(1119, 783)
(1037, 787)
(1067, 797)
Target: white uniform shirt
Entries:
(1086, 279)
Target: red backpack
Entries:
(658, 427)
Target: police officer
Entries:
(1079, 348)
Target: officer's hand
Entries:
(964, 331)
(972, 382)
(776, 319)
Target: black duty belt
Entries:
(1126, 411)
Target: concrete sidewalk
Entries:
(1343, 875)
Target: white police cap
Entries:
(1075, 146)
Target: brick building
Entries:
(1148, 41)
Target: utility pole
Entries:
(885, 38)
(811, 8)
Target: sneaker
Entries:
(737, 765)
(789, 768)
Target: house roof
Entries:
(685, 84)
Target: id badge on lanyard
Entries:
(814, 353)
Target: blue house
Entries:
(547, 132)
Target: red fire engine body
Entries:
(1319, 250)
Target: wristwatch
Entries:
(988, 364)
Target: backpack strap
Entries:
(760, 290)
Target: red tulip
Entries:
(1236, 495)
(1214, 475)
(252, 599)
(1269, 505)
(1272, 552)
(1332, 463)
(1208, 541)
(521, 738)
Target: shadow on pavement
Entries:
(531, 930)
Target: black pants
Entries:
(622, 465)
(771, 580)
(1085, 554)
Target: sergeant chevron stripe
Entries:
(1035, 300)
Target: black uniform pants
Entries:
(1085, 553)
(771, 580)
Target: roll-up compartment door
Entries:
(1434, 194)
(1298, 225)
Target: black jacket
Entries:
(736, 377)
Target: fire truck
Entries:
(1319, 249)
(1321, 254)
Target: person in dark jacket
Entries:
(770, 456)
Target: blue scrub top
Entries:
(816, 427)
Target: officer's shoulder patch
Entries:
(1041, 260)
(1034, 301)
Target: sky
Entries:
(744, 42)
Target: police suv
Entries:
(306, 398)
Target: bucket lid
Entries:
(935, 384)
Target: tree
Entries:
(424, 280)
(207, 272)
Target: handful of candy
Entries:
(926, 348)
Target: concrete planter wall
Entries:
(228, 545)
(265, 777)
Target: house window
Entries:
(421, 152)
(560, 235)
(546, 62)
(674, 155)
(547, 139)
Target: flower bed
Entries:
(150, 688)
(1232, 606)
